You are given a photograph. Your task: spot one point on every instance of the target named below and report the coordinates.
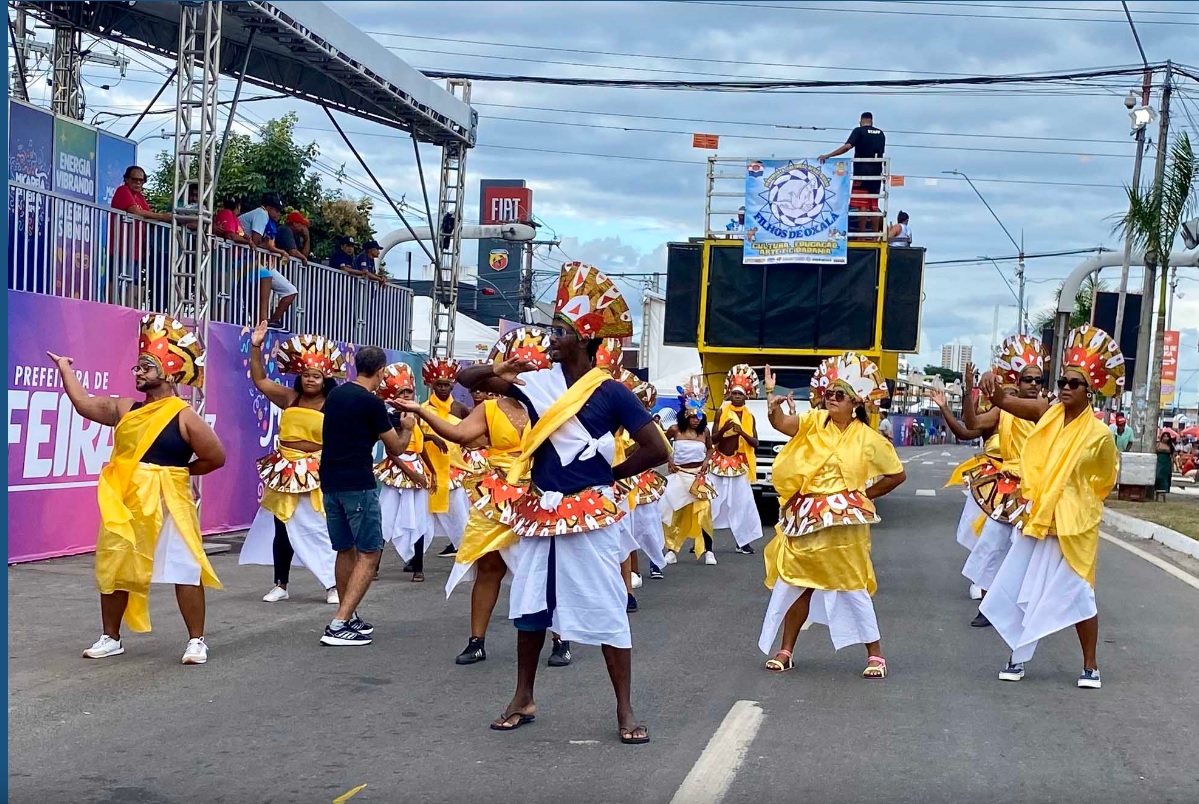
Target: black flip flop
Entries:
(626, 735)
(522, 721)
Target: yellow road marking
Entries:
(349, 794)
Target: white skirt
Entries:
(590, 591)
(173, 559)
(452, 523)
(648, 533)
(989, 552)
(970, 513)
(406, 519)
(677, 495)
(849, 616)
(466, 572)
(734, 508)
(1036, 593)
(308, 533)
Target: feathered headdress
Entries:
(1093, 352)
(301, 353)
(693, 396)
(396, 377)
(436, 369)
(1016, 354)
(522, 343)
(176, 350)
(858, 376)
(592, 303)
(742, 377)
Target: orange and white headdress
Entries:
(522, 343)
(396, 377)
(694, 395)
(437, 369)
(609, 355)
(642, 389)
(176, 350)
(1092, 351)
(592, 303)
(301, 353)
(742, 377)
(858, 376)
(1016, 354)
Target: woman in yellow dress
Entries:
(818, 563)
(1068, 466)
(290, 523)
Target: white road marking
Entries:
(713, 772)
(928, 463)
(926, 492)
(584, 742)
(946, 454)
(919, 455)
(1181, 575)
(950, 463)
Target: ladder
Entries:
(447, 236)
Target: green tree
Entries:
(1084, 303)
(273, 162)
(949, 375)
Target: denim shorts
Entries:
(354, 520)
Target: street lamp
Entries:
(1141, 116)
(1021, 328)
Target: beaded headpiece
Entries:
(1093, 352)
(175, 349)
(301, 353)
(592, 303)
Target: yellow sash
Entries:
(565, 408)
(1013, 434)
(746, 420)
(439, 500)
(135, 433)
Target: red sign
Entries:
(507, 205)
(706, 141)
(1169, 366)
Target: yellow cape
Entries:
(439, 500)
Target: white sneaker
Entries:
(671, 557)
(196, 653)
(976, 592)
(710, 558)
(275, 595)
(104, 647)
(636, 581)
(331, 597)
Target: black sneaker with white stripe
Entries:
(344, 637)
(360, 625)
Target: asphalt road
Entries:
(273, 717)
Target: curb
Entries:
(1140, 529)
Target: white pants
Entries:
(590, 595)
(406, 519)
(648, 533)
(734, 508)
(309, 536)
(970, 514)
(452, 523)
(849, 616)
(1036, 593)
(173, 559)
(988, 554)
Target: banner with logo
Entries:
(74, 160)
(113, 156)
(797, 211)
(30, 146)
(1169, 367)
(55, 455)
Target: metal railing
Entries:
(60, 246)
(725, 193)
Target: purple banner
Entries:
(55, 456)
(30, 145)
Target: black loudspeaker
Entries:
(1103, 315)
(684, 279)
(903, 299)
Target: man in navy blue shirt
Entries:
(366, 264)
(572, 543)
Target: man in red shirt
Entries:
(127, 239)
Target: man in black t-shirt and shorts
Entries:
(867, 142)
(354, 420)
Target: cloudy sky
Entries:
(615, 177)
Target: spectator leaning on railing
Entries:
(260, 226)
(225, 223)
(342, 257)
(366, 265)
(129, 199)
(127, 246)
(297, 228)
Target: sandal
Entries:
(418, 577)
(775, 666)
(505, 722)
(876, 667)
(626, 735)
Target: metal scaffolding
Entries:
(450, 203)
(196, 135)
(67, 99)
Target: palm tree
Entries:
(1084, 301)
(1151, 224)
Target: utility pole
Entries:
(1147, 400)
(526, 286)
(1020, 284)
(1173, 292)
(1146, 86)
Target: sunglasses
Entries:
(837, 396)
(1073, 383)
(1033, 380)
(557, 332)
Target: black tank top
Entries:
(169, 449)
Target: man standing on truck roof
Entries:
(732, 467)
(867, 142)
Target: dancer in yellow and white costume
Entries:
(818, 563)
(733, 466)
(448, 504)
(149, 523)
(686, 505)
(290, 524)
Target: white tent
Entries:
(669, 366)
(472, 340)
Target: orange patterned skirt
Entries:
(806, 514)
